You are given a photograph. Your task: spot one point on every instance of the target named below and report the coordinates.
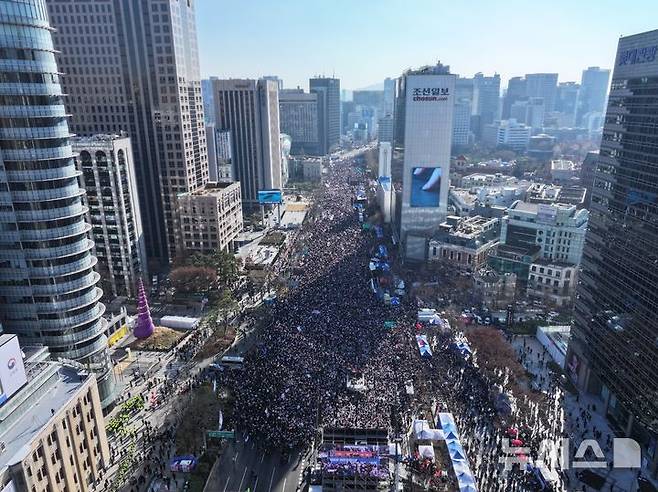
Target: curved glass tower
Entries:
(48, 291)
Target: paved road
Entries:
(242, 466)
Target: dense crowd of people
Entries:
(327, 330)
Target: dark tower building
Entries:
(614, 351)
(328, 91)
(133, 66)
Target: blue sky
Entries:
(363, 41)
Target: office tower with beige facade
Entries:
(108, 177)
(249, 109)
(52, 432)
(299, 118)
(211, 218)
(134, 67)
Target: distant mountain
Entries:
(373, 87)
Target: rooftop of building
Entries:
(543, 193)
(465, 195)
(488, 274)
(469, 228)
(212, 188)
(17, 436)
(558, 265)
(297, 94)
(511, 123)
(486, 176)
(514, 252)
(496, 163)
(438, 69)
(99, 138)
(533, 208)
(542, 136)
(563, 165)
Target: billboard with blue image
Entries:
(425, 187)
(270, 196)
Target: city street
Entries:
(243, 466)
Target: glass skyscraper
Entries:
(328, 91)
(614, 351)
(48, 291)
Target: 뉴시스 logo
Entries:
(11, 363)
(626, 453)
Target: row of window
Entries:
(28, 78)
(549, 271)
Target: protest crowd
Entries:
(329, 329)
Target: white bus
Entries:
(232, 362)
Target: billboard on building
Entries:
(425, 187)
(270, 196)
(12, 370)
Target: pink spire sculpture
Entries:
(144, 326)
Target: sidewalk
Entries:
(582, 417)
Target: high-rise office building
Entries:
(298, 114)
(568, 95)
(614, 347)
(208, 102)
(275, 78)
(593, 91)
(461, 122)
(516, 91)
(108, 177)
(328, 92)
(486, 99)
(389, 96)
(385, 128)
(529, 111)
(463, 119)
(249, 109)
(428, 111)
(464, 89)
(385, 157)
(542, 85)
(134, 67)
(220, 160)
(370, 98)
(48, 291)
(587, 173)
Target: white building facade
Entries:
(508, 133)
(108, 177)
(429, 106)
(558, 230)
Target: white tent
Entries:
(422, 431)
(426, 451)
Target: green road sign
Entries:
(222, 434)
